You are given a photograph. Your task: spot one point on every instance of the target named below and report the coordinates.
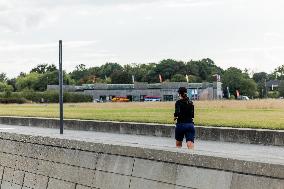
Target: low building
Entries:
(272, 85)
(166, 91)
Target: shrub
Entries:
(273, 94)
(13, 100)
(48, 97)
(53, 97)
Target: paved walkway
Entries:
(248, 152)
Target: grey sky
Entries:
(240, 33)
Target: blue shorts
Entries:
(186, 130)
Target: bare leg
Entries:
(190, 145)
(178, 144)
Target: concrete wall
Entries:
(237, 135)
(36, 162)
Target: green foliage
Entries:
(2, 86)
(53, 97)
(8, 91)
(198, 71)
(260, 77)
(248, 87)
(169, 67)
(235, 79)
(79, 73)
(120, 77)
(38, 82)
(281, 88)
(12, 82)
(194, 79)
(232, 79)
(204, 69)
(107, 69)
(278, 73)
(27, 82)
(43, 68)
(178, 78)
(273, 94)
(13, 100)
(3, 77)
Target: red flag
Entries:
(238, 93)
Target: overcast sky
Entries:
(241, 33)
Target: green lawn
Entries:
(253, 114)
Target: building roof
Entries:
(272, 82)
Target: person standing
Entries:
(184, 115)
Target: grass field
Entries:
(252, 114)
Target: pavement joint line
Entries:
(2, 178)
(47, 182)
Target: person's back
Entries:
(184, 114)
(184, 111)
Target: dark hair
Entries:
(183, 92)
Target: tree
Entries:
(169, 67)
(248, 87)
(107, 69)
(235, 79)
(260, 78)
(3, 77)
(79, 73)
(120, 77)
(27, 82)
(43, 68)
(2, 86)
(194, 79)
(12, 82)
(178, 78)
(232, 79)
(8, 91)
(203, 69)
(51, 78)
(281, 88)
(192, 68)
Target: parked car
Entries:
(152, 99)
(243, 98)
(120, 99)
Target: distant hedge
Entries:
(49, 97)
(13, 100)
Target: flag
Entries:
(229, 95)
(133, 79)
(186, 77)
(238, 93)
(161, 79)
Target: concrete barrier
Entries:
(225, 134)
(40, 162)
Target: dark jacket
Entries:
(184, 111)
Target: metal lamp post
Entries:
(60, 87)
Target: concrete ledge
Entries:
(237, 135)
(51, 161)
(175, 156)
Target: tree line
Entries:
(169, 70)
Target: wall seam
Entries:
(131, 172)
